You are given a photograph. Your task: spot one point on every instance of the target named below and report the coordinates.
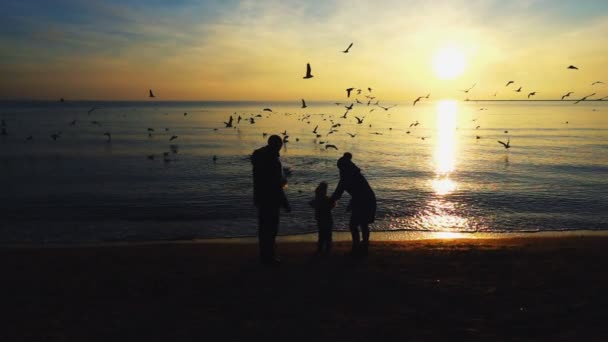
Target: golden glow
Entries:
(448, 235)
(445, 150)
(449, 63)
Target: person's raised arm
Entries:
(339, 191)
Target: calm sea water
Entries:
(82, 188)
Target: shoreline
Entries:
(341, 236)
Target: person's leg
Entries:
(328, 240)
(354, 232)
(268, 220)
(365, 238)
(321, 238)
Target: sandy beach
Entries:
(479, 289)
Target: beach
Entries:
(522, 288)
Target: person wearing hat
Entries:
(362, 204)
(268, 196)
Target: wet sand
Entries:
(476, 289)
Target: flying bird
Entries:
(359, 120)
(304, 104)
(518, 90)
(91, 110)
(597, 82)
(467, 90)
(328, 146)
(56, 136)
(308, 71)
(267, 110)
(572, 67)
(584, 98)
(510, 82)
(507, 145)
(173, 138)
(348, 90)
(386, 108)
(351, 135)
(150, 93)
(567, 95)
(348, 48)
(531, 94)
(418, 99)
(315, 130)
(349, 107)
(229, 123)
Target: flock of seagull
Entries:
(370, 102)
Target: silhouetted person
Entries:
(362, 205)
(268, 196)
(323, 206)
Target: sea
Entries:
(172, 170)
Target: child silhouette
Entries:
(323, 206)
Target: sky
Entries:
(258, 50)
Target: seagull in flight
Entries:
(348, 48)
(267, 110)
(584, 98)
(418, 99)
(467, 90)
(572, 67)
(173, 138)
(531, 94)
(510, 82)
(304, 104)
(150, 94)
(567, 95)
(91, 110)
(308, 72)
(348, 90)
(414, 123)
(507, 145)
(315, 130)
(518, 90)
(229, 123)
(351, 135)
(349, 107)
(359, 120)
(597, 82)
(386, 108)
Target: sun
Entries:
(449, 63)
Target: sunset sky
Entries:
(258, 50)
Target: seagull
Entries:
(418, 99)
(369, 89)
(349, 107)
(150, 129)
(518, 90)
(351, 135)
(185, 113)
(531, 94)
(173, 138)
(348, 90)
(284, 132)
(56, 136)
(108, 135)
(264, 134)
(359, 121)
(584, 98)
(477, 137)
(572, 67)
(467, 90)
(267, 110)
(91, 110)
(597, 82)
(348, 48)
(328, 146)
(386, 108)
(151, 94)
(345, 113)
(414, 123)
(251, 121)
(238, 121)
(507, 145)
(304, 104)
(358, 91)
(567, 95)
(308, 70)
(229, 123)
(315, 130)
(358, 101)
(510, 82)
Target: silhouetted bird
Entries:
(214, 158)
(73, 123)
(150, 93)
(150, 129)
(351, 135)
(264, 134)
(308, 71)
(91, 110)
(518, 90)
(386, 108)
(55, 136)
(348, 90)
(597, 82)
(348, 48)
(328, 146)
(510, 82)
(531, 94)
(229, 123)
(185, 113)
(359, 120)
(478, 137)
(572, 67)
(267, 110)
(173, 138)
(315, 130)
(507, 145)
(584, 98)
(467, 90)
(567, 95)
(417, 99)
(304, 104)
(349, 107)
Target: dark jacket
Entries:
(323, 206)
(268, 179)
(363, 199)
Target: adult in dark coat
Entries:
(362, 205)
(268, 195)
